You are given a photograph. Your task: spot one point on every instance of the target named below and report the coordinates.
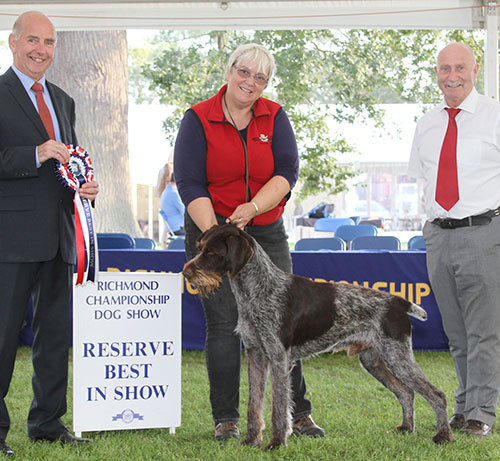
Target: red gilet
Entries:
(226, 155)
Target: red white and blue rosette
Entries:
(73, 174)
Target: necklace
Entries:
(231, 119)
(247, 191)
(227, 110)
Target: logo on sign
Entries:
(127, 416)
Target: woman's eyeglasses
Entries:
(260, 79)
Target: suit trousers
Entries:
(464, 271)
(49, 283)
(223, 345)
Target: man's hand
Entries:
(53, 149)
(89, 190)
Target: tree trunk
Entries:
(92, 68)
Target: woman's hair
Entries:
(168, 172)
(253, 53)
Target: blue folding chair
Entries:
(144, 243)
(316, 244)
(417, 242)
(331, 224)
(377, 222)
(114, 241)
(349, 233)
(375, 242)
(176, 244)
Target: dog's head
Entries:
(222, 250)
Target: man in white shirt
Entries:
(462, 232)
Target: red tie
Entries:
(447, 177)
(43, 110)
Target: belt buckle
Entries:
(444, 223)
(449, 224)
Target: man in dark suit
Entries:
(37, 230)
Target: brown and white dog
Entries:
(284, 317)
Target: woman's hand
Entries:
(243, 214)
(269, 196)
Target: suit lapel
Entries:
(57, 103)
(19, 93)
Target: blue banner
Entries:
(403, 273)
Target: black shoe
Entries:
(457, 421)
(476, 428)
(5, 449)
(62, 435)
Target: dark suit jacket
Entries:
(36, 211)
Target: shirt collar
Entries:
(25, 80)
(469, 104)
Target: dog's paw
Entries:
(252, 441)
(404, 428)
(443, 437)
(275, 444)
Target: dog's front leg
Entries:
(281, 390)
(257, 376)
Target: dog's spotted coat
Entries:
(284, 317)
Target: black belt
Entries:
(478, 220)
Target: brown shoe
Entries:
(227, 430)
(476, 428)
(306, 426)
(457, 421)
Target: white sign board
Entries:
(127, 352)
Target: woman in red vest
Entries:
(236, 161)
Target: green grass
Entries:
(355, 410)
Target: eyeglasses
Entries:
(260, 79)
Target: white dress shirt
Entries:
(478, 156)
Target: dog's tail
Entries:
(417, 312)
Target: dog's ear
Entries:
(204, 235)
(239, 251)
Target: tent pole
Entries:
(491, 51)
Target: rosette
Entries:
(73, 174)
(78, 170)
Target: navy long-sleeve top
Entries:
(190, 155)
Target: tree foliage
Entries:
(322, 76)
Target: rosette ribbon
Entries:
(73, 174)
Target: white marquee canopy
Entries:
(263, 14)
(257, 14)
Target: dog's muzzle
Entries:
(204, 282)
